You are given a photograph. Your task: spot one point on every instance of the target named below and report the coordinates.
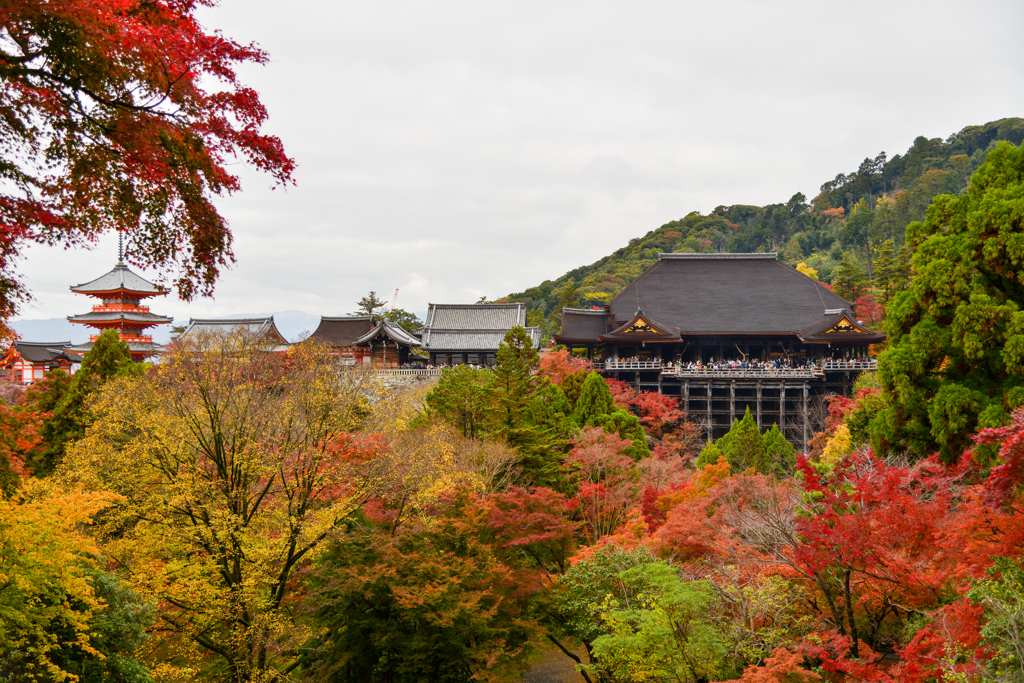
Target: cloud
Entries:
(459, 149)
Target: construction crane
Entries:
(394, 300)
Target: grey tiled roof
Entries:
(263, 328)
(148, 347)
(148, 318)
(475, 316)
(726, 293)
(393, 330)
(583, 324)
(120, 278)
(470, 340)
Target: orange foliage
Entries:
(782, 667)
(556, 365)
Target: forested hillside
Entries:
(858, 219)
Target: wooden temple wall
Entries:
(385, 356)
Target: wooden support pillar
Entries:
(732, 402)
(711, 418)
(759, 404)
(782, 407)
(660, 385)
(807, 415)
(686, 397)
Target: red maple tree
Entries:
(124, 114)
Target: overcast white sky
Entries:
(458, 149)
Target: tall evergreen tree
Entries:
(596, 407)
(849, 281)
(955, 360)
(514, 384)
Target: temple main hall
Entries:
(727, 332)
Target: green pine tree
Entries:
(779, 454)
(744, 447)
(514, 384)
(550, 417)
(596, 408)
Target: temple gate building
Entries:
(366, 340)
(725, 332)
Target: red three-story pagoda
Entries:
(121, 293)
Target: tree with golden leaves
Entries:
(234, 463)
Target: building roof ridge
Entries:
(342, 318)
(507, 305)
(232, 321)
(43, 344)
(735, 256)
(588, 311)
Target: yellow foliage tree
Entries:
(837, 447)
(234, 463)
(807, 270)
(46, 601)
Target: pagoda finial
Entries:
(120, 247)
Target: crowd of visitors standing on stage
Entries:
(775, 364)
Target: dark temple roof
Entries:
(119, 279)
(839, 326)
(43, 352)
(726, 294)
(642, 327)
(583, 324)
(343, 331)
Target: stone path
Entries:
(552, 667)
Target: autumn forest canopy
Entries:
(240, 513)
(245, 512)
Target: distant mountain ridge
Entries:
(290, 323)
(846, 223)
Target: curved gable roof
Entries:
(263, 328)
(394, 331)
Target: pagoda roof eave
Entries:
(119, 279)
(150, 348)
(120, 316)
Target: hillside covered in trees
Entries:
(851, 233)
